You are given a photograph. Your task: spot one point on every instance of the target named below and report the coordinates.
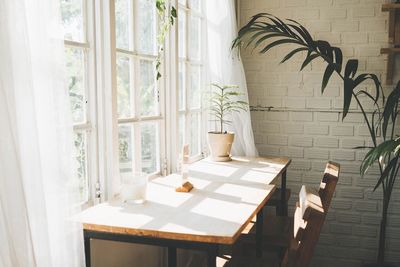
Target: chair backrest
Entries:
(309, 218)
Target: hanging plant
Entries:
(166, 19)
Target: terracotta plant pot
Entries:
(220, 145)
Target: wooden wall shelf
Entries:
(390, 6)
(390, 50)
(394, 37)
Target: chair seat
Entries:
(275, 199)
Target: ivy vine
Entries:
(166, 18)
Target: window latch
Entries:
(97, 194)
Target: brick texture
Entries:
(307, 126)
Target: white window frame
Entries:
(102, 121)
(136, 119)
(188, 62)
(87, 46)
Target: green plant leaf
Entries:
(266, 37)
(308, 60)
(360, 78)
(277, 24)
(173, 12)
(325, 48)
(373, 130)
(254, 37)
(160, 5)
(223, 102)
(338, 58)
(348, 93)
(278, 42)
(327, 75)
(292, 53)
(363, 92)
(392, 164)
(287, 28)
(365, 76)
(391, 104)
(378, 87)
(381, 151)
(302, 31)
(351, 68)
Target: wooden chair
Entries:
(309, 218)
(298, 235)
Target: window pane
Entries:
(75, 67)
(195, 88)
(72, 17)
(182, 130)
(194, 134)
(182, 33)
(194, 38)
(148, 89)
(182, 85)
(124, 97)
(125, 137)
(183, 2)
(123, 23)
(146, 26)
(80, 140)
(150, 147)
(195, 4)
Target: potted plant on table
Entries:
(223, 102)
(268, 31)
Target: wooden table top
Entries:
(244, 170)
(226, 196)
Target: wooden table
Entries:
(225, 198)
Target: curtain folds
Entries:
(38, 189)
(225, 67)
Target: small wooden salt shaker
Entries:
(186, 186)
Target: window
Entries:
(141, 104)
(140, 101)
(190, 75)
(79, 56)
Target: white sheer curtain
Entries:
(36, 178)
(225, 67)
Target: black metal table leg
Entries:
(86, 239)
(172, 257)
(212, 253)
(210, 248)
(283, 208)
(259, 233)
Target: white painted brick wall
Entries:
(307, 126)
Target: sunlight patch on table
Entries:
(222, 210)
(258, 177)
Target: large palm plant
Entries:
(265, 31)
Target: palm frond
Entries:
(266, 31)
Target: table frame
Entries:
(210, 248)
(283, 207)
